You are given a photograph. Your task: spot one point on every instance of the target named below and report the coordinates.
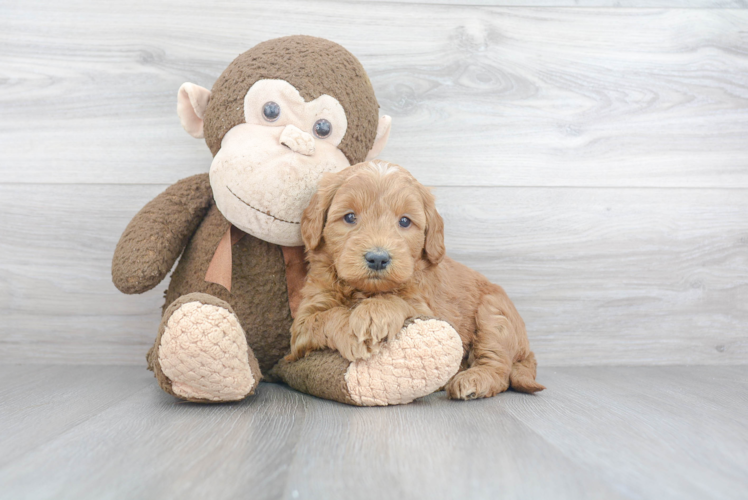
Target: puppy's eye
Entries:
(322, 128)
(404, 222)
(350, 218)
(271, 111)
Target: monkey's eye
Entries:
(404, 222)
(322, 128)
(350, 218)
(271, 111)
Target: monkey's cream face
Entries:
(268, 168)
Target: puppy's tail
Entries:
(522, 377)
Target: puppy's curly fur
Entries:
(375, 245)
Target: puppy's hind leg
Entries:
(499, 341)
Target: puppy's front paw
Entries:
(476, 382)
(374, 321)
(301, 339)
(351, 348)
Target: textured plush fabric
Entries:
(203, 351)
(423, 357)
(320, 373)
(295, 112)
(259, 299)
(155, 237)
(258, 284)
(185, 220)
(192, 101)
(193, 367)
(297, 140)
(263, 187)
(314, 66)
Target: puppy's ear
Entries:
(315, 214)
(433, 248)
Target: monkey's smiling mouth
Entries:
(261, 211)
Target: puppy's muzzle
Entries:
(377, 259)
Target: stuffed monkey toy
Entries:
(281, 115)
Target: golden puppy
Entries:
(375, 245)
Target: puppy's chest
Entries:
(353, 298)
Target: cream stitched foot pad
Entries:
(423, 357)
(203, 352)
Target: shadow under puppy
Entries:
(375, 246)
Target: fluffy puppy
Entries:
(375, 246)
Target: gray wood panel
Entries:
(679, 432)
(39, 403)
(479, 95)
(594, 132)
(596, 432)
(431, 449)
(657, 4)
(612, 276)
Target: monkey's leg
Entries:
(201, 352)
(420, 360)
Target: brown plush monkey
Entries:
(281, 115)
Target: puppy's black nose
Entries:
(377, 260)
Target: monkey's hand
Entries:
(378, 319)
(157, 234)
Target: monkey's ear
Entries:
(383, 133)
(192, 100)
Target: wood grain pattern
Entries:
(479, 95)
(592, 160)
(150, 445)
(648, 432)
(657, 4)
(614, 276)
(431, 449)
(39, 403)
(620, 276)
(597, 432)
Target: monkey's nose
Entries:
(297, 140)
(377, 259)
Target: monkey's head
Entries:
(282, 114)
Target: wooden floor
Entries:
(623, 432)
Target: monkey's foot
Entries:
(420, 360)
(201, 353)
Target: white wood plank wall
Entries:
(590, 158)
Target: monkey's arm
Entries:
(156, 236)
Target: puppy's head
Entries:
(377, 224)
